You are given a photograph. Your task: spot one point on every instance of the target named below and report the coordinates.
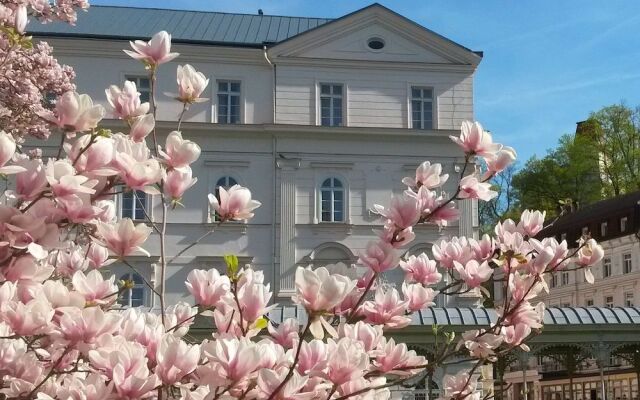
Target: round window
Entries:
(375, 43)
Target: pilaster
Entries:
(287, 253)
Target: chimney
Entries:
(260, 11)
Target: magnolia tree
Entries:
(62, 336)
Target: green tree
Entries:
(568, 174)
(616, 133)
(505, 205)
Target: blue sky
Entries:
(547, 63)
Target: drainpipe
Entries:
(274, 145)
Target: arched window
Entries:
(225, 182)
(332, 200)
(134, 297)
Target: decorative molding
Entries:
(288, 163)
(331, 164)
(332, 227)
(227, 163)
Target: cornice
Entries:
(372, 64)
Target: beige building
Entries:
(615, 224)
(320, 118)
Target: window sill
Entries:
(326, 226)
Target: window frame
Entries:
(137, 285)
(343, 97)
(606, 267)
(565, 278)
(623, 224)
(135, 78)
(607, 303)
(147, 206)
(241, 100)
(627, 260)
(588, 302)
(604, 229)
(332, 189)
(434, 108)
(627, 296)
(317, 198)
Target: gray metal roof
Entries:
(461, 316)
(249, 30)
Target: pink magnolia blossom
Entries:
(590, 253)
(69, 261)
(386, 309)
(234, 359)
(32, 181)
(141, 127)
(531, 222)
(85, 326)
(475, 140)
(402, 213)
(75, 113)
(191, 84)
(64, 182)
(313, 357)
(32, 318)
(93, 160)
(176, 359)
(417, 296)
(459, 386)
(397, 359)
(97, 256)
(481, 344)
(471, 188)
(179, 152)
(369, 335)
(456, 249)
(154, 52)
(234, 203)
(123, 238)
(285, 334)
(318, 290)
(139, 384)
(269, 381)
(499, 161)
(379, 256)
(473, 273)
(7, 150)
(434, 208)
(177, 182)
(484, 248)
(347, 360)
(92, 387)
(94, 287)
(420, 269)
(207, 287)
(254, 299)
(21, 18)
(126, 102)
(428, 175)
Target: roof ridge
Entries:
(203, 11)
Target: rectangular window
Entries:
(606, 267)
(331, 104)
(608, 301)
(603, 229)
(565, 278)
(133, 204)
(628, 299)
(589, 302)
(627, 264)
(623, 224)
(143, 84)
(228, 102)
(421, 107)
(585, 230)
(554, 280)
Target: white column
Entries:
(466, 224)
(287, 253)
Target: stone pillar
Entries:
(287, 253)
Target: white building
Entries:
(320, 118)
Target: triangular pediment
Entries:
(348, 38)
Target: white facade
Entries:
(279, 148)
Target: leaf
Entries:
(232, 265)
(260, 323)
